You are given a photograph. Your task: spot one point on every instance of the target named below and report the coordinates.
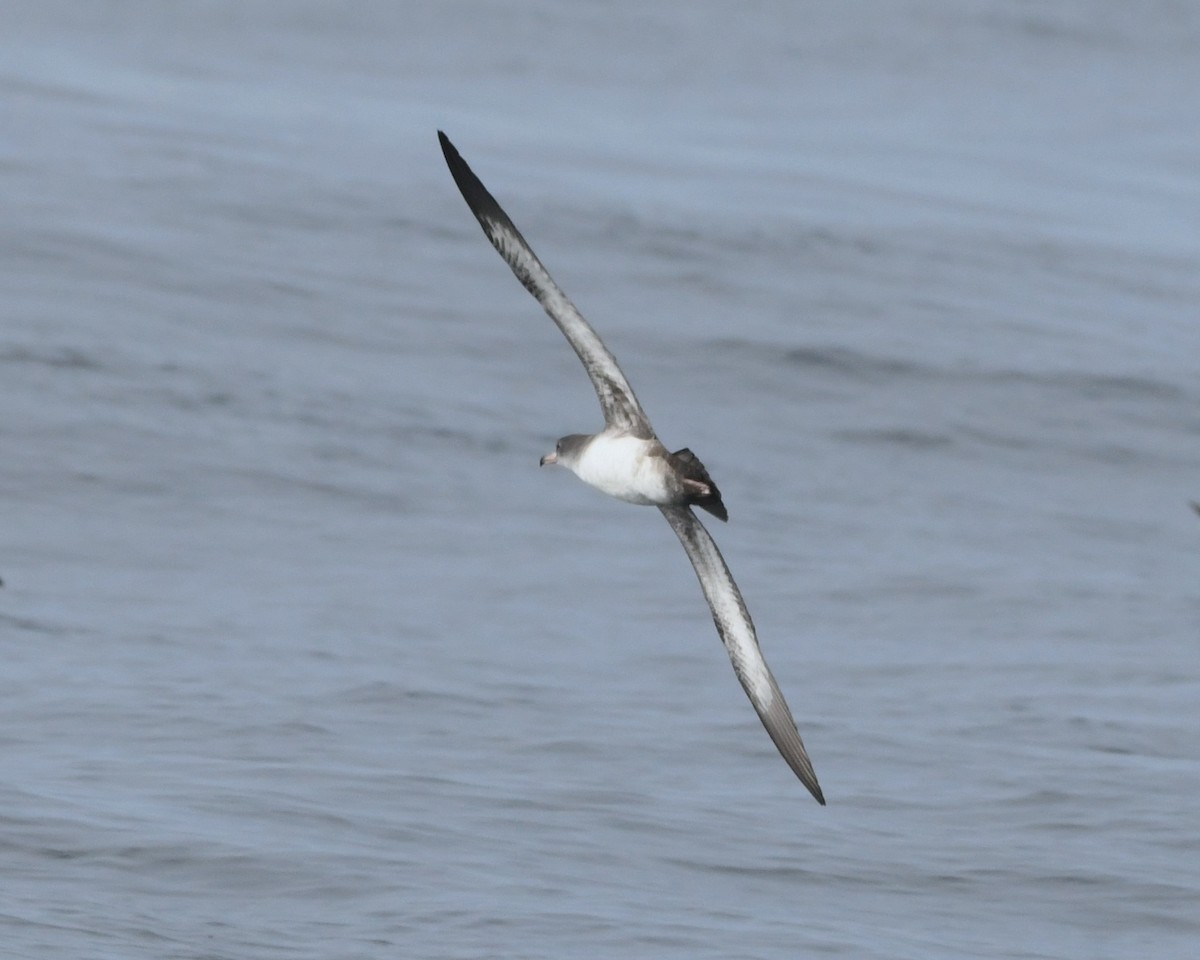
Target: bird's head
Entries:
(567, 451)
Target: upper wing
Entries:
(737, 633)
(620, 406)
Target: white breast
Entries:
(624, 467)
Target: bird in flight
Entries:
(627, 460)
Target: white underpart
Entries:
(622, 467)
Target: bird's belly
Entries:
(626, 468)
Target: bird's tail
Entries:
(692, 469)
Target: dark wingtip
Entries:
(801, 766)
(487, 211)
(468, 183)
(453, 160)
(804, 773)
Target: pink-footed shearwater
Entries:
(627, 460)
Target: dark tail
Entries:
(692, 469)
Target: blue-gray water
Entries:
(304, 657)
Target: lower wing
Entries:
(737, 633)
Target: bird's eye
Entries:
(558, 447)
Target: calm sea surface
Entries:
(302, 656)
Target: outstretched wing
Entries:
(737, 633)
(620, 406)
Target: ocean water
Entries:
(304, 657)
